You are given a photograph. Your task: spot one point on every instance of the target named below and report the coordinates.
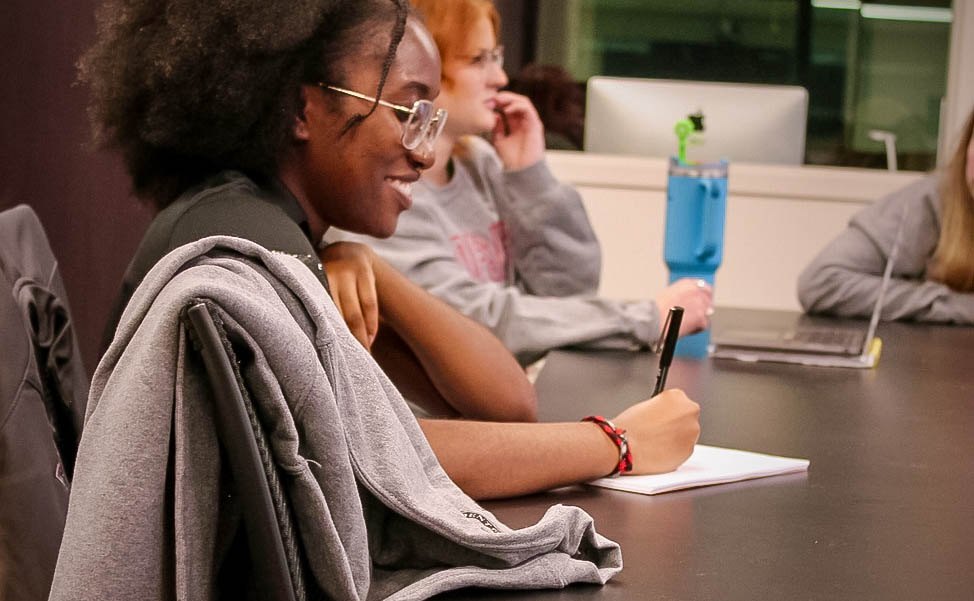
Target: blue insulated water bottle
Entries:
(696, 199)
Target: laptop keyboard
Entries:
(835, 338)
(803, 339)
(826, 340)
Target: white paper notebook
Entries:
(708, 465)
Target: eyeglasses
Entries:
(495, 56)
(422, 123)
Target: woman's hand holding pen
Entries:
(696, 298)
(518, 133)
(661, 431)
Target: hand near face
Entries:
(661, 431)
(696, 300)
(522, 145)
(351, 277)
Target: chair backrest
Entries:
(43, 392)
(273, 549)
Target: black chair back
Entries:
(274, 558)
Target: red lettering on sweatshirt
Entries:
(484, 256)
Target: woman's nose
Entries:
(498, 78)
(424, 155)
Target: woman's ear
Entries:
(301, 131)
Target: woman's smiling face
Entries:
(360, 179)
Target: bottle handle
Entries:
(708, 231)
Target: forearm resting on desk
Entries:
(492, 460)
(848, 293)
(489, 460)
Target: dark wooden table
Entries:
(886, 510)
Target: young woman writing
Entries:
(265, 124)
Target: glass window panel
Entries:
(866, 66)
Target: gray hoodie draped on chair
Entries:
(376, 515)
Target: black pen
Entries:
(671, 331)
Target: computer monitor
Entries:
(752, 123)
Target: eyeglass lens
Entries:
(494, 56)
(497, 56)
(424, 124)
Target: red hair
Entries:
(450, 22)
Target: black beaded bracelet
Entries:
(618, 436)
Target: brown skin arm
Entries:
(472, 370)
(401, 365)
(494, 460)
(437, 357)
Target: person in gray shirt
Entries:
(933, 274)
(493, 233)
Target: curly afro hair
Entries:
(183, 88)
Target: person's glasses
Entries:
(494, 56)
(421, 123)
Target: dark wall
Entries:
(518, 22)
(46, 161)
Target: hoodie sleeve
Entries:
(845, 278)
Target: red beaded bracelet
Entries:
(618, 436)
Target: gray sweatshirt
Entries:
(513, 250)
(844, 278)
(377, 515)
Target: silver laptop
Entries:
(812, 345)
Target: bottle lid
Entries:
(712, 169)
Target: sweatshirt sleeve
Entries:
(554, 249)
(845, 278)
(529, 325)
(552, 246)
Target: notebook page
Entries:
(707, 465)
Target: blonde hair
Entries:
(450, 22)
(953, 260)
